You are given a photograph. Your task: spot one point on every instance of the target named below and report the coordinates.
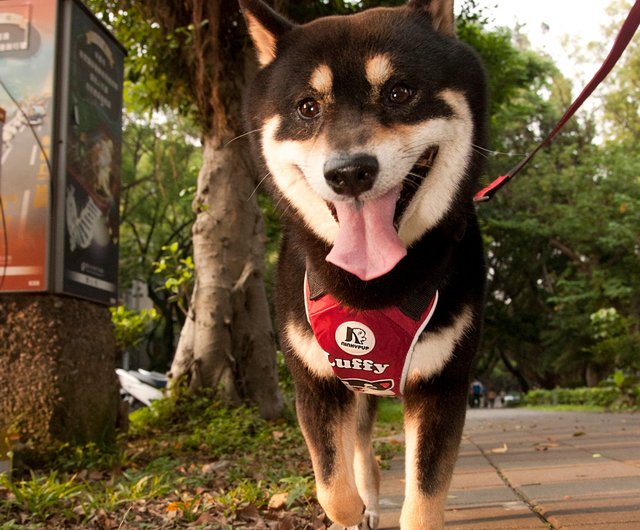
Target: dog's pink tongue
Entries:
(367, 244)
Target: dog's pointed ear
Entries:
(441, 13)
(266, 27)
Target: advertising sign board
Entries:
(89, 177)
(61, 75)
(27, 59)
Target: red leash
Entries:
(627, 31)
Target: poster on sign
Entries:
(28, 33)
(61, 83)
(89, 179)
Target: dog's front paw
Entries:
(370, 522)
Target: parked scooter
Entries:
(140, 387)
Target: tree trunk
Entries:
(522, 381)
(592, 375)
(183, 359)
(228, 342)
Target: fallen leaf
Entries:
(499, 450)
(545, 446)
(209, 469)
(249, 512)
(174, 506)
(96, 476)
(176, 514)
(318, 523)
(205, 518)
(286, 523)
(259, 525)
(278, 501)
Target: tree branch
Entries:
(571, 254)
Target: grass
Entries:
(40, 494)
(567, 408)
(183, 462)
(390, 412)
(390, 418)
(186, 463)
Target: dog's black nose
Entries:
(351, 174)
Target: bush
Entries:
(616, 393)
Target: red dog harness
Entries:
(369, 351)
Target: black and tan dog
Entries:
(368, 127)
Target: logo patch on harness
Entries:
(355, 338)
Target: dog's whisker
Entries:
(242, 136)
(278, 205)
(428, 164)
(285, 210)
(411, 152)
(415, 155)
(418, 144)
(492, 152)
(413, 183)
(258, 185)
(483, 155)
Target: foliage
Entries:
(561, 239)
(161, 160)
(186, 462)
(594, 396)
(620, 391)
(561, 293)
(628, 385)
(516, 78)
(621, 110)
(176, 267)
(150, 80)
(38, 495)
(160, 164)
(387, 450)
(390, 411)
(69, 458)
(131, 325)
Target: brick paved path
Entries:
(523, 470)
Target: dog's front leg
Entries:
(434, 418)
(327, 413)
(366, 467)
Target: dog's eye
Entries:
(400, 94)
(309, 108)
